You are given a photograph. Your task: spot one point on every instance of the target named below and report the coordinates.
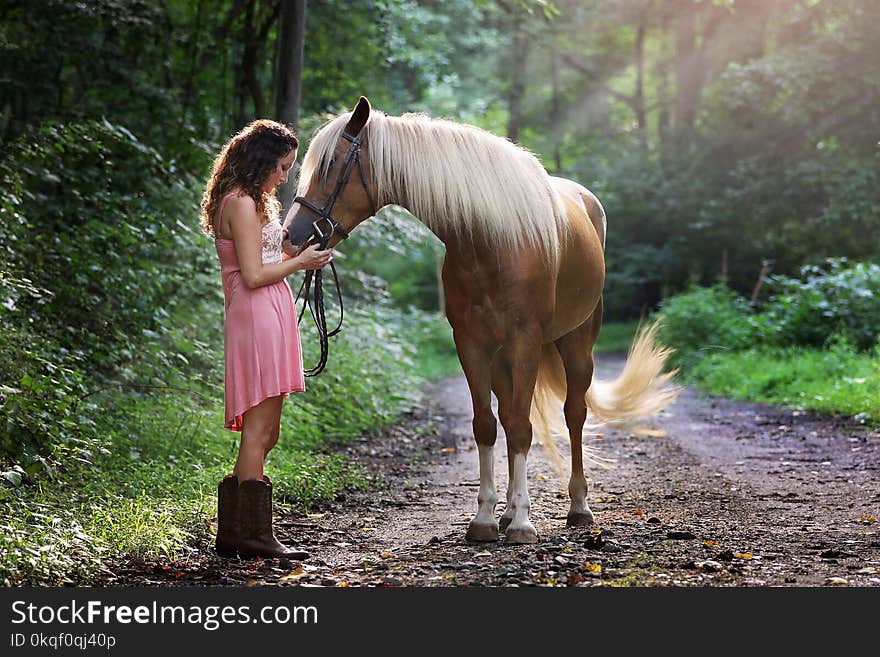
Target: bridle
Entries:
(322, 237)
(352, 158)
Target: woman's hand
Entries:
(314, 258)
(288, 250)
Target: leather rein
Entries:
(322, 238)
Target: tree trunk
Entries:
(751, 22)
(639, 97)
(555, 109)
(686, 68)
(518, 79)
(249, 62)
(192, 54)
(254, 35)
(245, 72)
(662, 71)
(693, 59)
(290, 66)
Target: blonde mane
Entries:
(454, 178)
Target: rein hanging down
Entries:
(318, 312)
(322, 237)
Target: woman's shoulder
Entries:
(241, 207)
(236, 207)
(240, 201)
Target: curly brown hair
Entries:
(244, 163)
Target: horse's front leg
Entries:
(475, 360)
(514, 381)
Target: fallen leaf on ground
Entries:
(836, 581)
(742, 555)
(868, 520)
(638, 512)
(708, 543)
(447, 450)
(292, 575)
(654, 433)
(593, 567)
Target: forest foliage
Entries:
(727, 139)
(721, 135)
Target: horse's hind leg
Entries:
(576, 350)
(502, 383)
(514, 392)
(475, 361)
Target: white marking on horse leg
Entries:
(579, 515)
(487, 497)
(507, 517)
(483, 527)
(521, 529)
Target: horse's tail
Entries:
(639, 390)
(549, 394)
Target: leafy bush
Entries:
(702, 320)
(837, 379)
(87, 214)
(40, 386)
(837, 298)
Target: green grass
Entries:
(146, 487)
(616, 337)
(838, 380)
(151, 493)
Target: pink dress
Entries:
(260, 333)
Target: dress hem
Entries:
(235, 424)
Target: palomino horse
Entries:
(523, 277)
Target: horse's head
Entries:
(340, 193)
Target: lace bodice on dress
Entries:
(272, 233)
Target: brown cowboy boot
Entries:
(227, 516)
(256, 538)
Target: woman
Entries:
(261, 338)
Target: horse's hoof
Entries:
(503, 522)
(521, 535)
(482, 532)
(580, 519)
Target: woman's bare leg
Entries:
(258, 434)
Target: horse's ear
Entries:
(359, 116)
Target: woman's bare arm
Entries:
(246, 227)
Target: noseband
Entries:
(325, 216)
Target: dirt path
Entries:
(712, 493)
